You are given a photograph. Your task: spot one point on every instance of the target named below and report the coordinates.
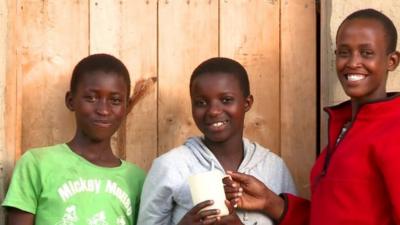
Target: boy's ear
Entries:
(248, 102)
(394, 59)
(68, 101)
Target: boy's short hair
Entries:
(223, 65)
(99, 62)
(388, 26)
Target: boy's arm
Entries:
(22, 196)
(387, 157)
(247, 192)
(19, 217)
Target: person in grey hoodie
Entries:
(220, 96)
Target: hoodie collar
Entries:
(208, 159)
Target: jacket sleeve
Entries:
(297, 211)
(387, 155)
(156, 202)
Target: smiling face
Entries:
(100, 104)
(219, 106)
(362, 61)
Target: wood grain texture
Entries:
(4, 161)
(298, 89)
(161, 42)
(139, 53)
(250, 34)
(52, 37)
(188, 35)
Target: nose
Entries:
(102, 107)
(354, 61)
(214, 109)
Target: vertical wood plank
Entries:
(250, 34)
(327, 69)
(12, 124)
(128, 30)
(105, 27)
(188, 35)
(52, 37)
(298, 89)
(3, 71)
(139, 53)
(3, 79)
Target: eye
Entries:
(199, 103)
(342, 53)
(227, 100)
(90, 98)
(116, 100)
(367, 53)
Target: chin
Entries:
(355, 94)
(216, 139)
(100, 137)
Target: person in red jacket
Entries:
(356, 179)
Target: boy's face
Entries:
(218, 106)
(100, 104)
(362, 61)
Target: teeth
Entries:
(218, 124)
(355, 77)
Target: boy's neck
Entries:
(356, 104)
(96, 152)
(230, 153)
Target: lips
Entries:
(102, 123)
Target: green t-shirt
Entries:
(62, 188)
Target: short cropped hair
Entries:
(388, 26)
(99, 63)
(223, 65)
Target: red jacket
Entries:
(357, 181)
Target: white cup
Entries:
(209, 186)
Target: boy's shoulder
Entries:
(175, 161)
(47, 152)
(134, 169)
(254, 147)
(261, 153)
(176, 154)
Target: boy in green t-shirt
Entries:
(82, 181)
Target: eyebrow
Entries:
(364, 45)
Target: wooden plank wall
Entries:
(298, 89)
(188, 34)
(252, 38)
(161, 42)
(3, 70)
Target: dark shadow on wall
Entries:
(324, 43)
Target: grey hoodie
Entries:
(166, 196)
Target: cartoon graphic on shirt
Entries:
(121, 221)
(69, 217)
(98, 219)
(83, 187)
